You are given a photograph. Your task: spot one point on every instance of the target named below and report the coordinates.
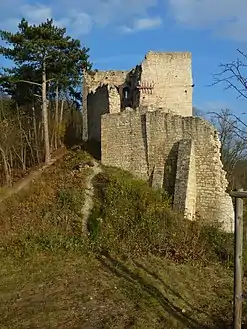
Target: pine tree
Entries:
(42, 54)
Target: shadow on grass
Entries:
(218, 322)
(93, 148)
(133, 279)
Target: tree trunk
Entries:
(2, 116)
(35, 134)
(61, 113)
(61, 137)
(45, 116)
(5, 167)
(56, 120)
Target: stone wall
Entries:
(114, 99)
(147, 145)
(185, 183)
(96, 78)
(98, 104)
(170, 74)
(100, 96)
(158, 139)
(123, 142)
(172, 77)
(104, 99)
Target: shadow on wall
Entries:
(93, 147)
(73, 135)
(144, 139)
(73, 138)
(170, 169)
(130, 94)
(97, 105)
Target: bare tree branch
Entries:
(233, 137)
(227, 119)
(233, 75)
(31, 82)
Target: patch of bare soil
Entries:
(6, 192)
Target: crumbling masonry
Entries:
(143, 119)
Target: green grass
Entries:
(142, 266)
(77, 290)
(130, 216)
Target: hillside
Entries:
(141, 266)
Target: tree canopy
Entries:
(48, 67)
(30, 48)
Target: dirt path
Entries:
(89, 193)
(23, 183)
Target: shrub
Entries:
(132, 217)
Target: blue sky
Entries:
(119, 33)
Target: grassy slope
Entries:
(49, 278)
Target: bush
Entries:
(132, 217)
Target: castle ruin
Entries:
(143, 119)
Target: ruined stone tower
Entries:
(143, 119)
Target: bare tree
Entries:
(233, 137)
(233, 127)
(234, 75)
(45, 113)
(7, 135)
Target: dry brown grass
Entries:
(51, 278)
(50, 206)
(75, 290)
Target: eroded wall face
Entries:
(149, 143)
(100, 95)
(95, 79)
(97, 105)
(185, 182)
(114, 99)
(169, 73)
(172, 77)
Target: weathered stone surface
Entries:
(185, 182)
(172, 78)
(148, 146)
(126, 130)
(143, 119)
(100, 96)
(162, 80)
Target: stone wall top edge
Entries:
(104, 72)
(193, 119)
(168, 116)
(157, 112)
(177, 54)
(105, 84)
(95, 77)
(122, 114)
